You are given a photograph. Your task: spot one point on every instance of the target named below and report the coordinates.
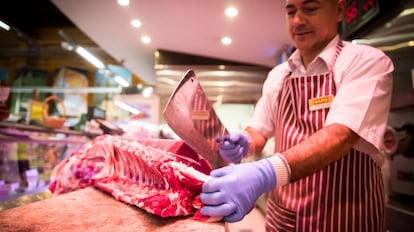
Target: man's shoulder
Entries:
(355, 57)
(279, 72)
(281, 69)
(275, 77)
(362, 49)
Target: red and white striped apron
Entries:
(347, 195)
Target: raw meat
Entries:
(163, 177)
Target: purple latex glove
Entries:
(235, 189)
(233, 147)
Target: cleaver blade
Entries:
(191, 116)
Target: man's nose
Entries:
(299, 18)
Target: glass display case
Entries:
(28, 155)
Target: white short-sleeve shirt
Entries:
(363, 79)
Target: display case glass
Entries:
(28, 155)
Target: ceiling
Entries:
(186, 26)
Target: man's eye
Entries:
(311, 10)
(290, 12)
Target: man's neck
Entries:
(306, 60)
(307, 56)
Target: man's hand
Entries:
(233, 147)
(234, 189)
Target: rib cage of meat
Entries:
(163, 177)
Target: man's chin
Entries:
(302, 45)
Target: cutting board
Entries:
(90, 209)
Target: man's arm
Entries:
(327, 145)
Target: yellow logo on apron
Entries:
(320, 103)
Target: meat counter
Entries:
(90, 209)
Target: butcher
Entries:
(326, 108)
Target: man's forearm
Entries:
(320, 149)
(257, 141)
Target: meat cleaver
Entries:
(191, 116)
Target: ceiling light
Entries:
(67, 46)
(146, 39)
(226, 40)
(4, 26)
(232, 12)
(127, 107)
(123, 2)
(136, 23)
(89, 57)
(121, 81)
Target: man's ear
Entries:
(341, 9)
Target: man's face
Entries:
(313, 23)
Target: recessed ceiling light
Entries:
(136, 23)
(123, 2)
(226, 40)
(146, 39)
(232, 12)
